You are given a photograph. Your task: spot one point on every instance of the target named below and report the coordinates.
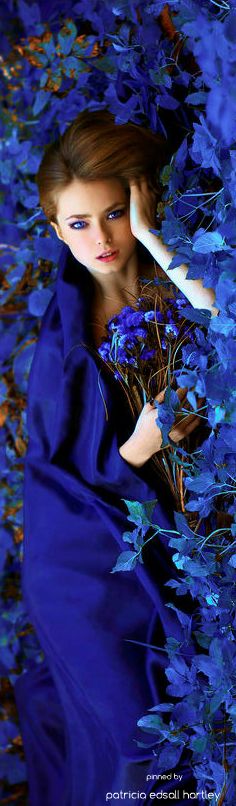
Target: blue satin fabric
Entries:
(78, 710)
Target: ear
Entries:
(57, 230)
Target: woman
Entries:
(79, 708)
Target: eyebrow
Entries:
(86, 215)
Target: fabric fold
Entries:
(93, 625)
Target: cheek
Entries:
(79, 240)
(125, 228)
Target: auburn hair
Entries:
(95, 147)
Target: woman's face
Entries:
(93, 218)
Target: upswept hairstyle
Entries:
(95, 147)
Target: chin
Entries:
(105, 269)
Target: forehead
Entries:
(93, 196)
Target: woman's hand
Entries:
(142, 208)
(146, 439)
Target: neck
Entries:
(112, 293)
(118, 285)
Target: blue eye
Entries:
(116, 213)
(82, 224)
(78, 225)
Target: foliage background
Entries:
(170, 67)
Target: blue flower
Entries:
(149, 316)
(159, 316)
(134, 318)
(104, 350)
(123, 358)
(146, 354)
(172, 329)
(141, 333)
(128, 340)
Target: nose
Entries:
(102, 235)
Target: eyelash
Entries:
(120, 212)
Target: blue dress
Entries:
(79, 708)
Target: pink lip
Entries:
(106, 257)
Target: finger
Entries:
(148, 405)
(190, 426)
(160, 397)
(134, 183)
(181, 392)
(181, 431)
(185, 421)
(146, 186)
(143, 181)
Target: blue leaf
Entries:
(205, 242)
(67, 36)
(223, 324)
(196, 98)
(155, 7)
(151, 723)
(22, 364)
(218, 774)
(200, 315)
(8, 731)
(12, 768)
(169, 757)
(3, 391)
(6, 543)
(140, 513)
(184, 619)
(198, 744)
(38, 301)
(206, 665)
(42, 98)
(128, 537)
(30, 15)
(188, 379)
(181, 155)
(180, 677)
(201, 483)
(191, 397)
(163, 707)
(48, 248)
(125, 562)
(204, 147)
(167, 101)
(167, 412)
(182, 256)
(184, 713)
(232, 561)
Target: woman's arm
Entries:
(142, 210)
